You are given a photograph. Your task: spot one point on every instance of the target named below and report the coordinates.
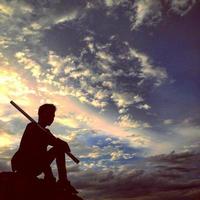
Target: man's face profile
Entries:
(47, 118)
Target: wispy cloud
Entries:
(113, 3)
(152, 12)
(127, 122)
(181, 7)
(147, 69)
(147, 12)
(7, 140)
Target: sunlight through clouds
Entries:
(13, 87)
(7, 140)
(6, 10)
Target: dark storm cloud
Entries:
(148, 178)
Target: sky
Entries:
(124, 76)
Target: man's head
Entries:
(46, 113)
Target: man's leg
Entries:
(61, 165)
(51, 155)
(58, 154)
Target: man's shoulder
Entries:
(32, 125)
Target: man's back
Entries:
(34, 141)
(33, 147)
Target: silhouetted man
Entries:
(33, 158)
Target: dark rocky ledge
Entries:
(14, 186)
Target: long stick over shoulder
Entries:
(32, 120)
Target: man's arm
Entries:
(63, 145)
(54, 141)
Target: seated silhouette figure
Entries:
(33, 156)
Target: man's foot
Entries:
(66, 185)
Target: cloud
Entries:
(56, 63)
(147, 69)
(29, 64)
(117, 155)
(151, 178)
(74, 120)
(13, 87)
(26, 96)
(113, 3)
(16, 29)
(152, 12)
(65, 18)
(181, 8)
(93, 83)
(53, 86)
(123, 100)
(54, 13)
(6, 10)
(7, 140)
(105, 57)
(147, 12)
(126, 121)
(28, 30)
(144, 106)
(80, 80)
(168, 121)
(178, 137)
(97, 151)
(108, 4)
(69, 74)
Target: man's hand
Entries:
(64, 145)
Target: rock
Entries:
(14, 186)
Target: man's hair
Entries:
(46, 108)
